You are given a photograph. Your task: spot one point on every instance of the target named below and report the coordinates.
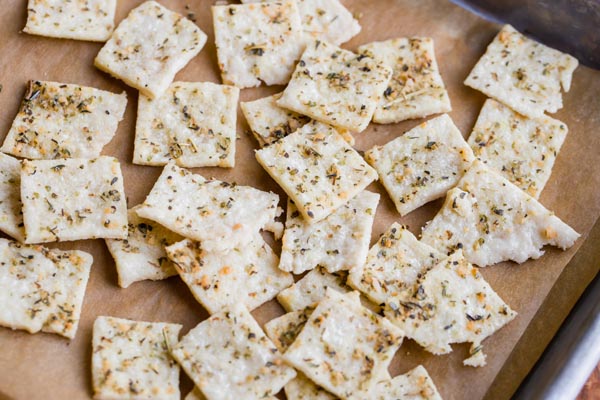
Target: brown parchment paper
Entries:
(44, 366)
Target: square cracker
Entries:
(492, 221)
(59, 120)
(416, 89)
(317, 169)
(416, 384)
(450, 303)
(344, 347)
(11, 214)
(219, 214)
(228, 356)
(523, 74)
(519, 148)
(339, 242)
(131, 360)
(149, 47)
(247, 274)
(142, 254)
(192, 124)
(73, 199)
(309, 290)
(393, 264)
(336, 86)
(423, 164)
(42, 289)
(257, 42)
(79, 19)
(327, 20)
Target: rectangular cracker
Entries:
(393, 264)
(257, 42)
(326, 20)
(228, 356)
(318, 170)
(416, 89)
(131, 360)
(519, 148)
(192, 124)
(492, 221)
(247, 274)
(416, 384)
(59, 120)
(423, 164)
(142, 254)
(42, 289)
(336, 86)
(149, 47)
(450, 303)
(219, 214)
(73, 199)
(523, 74)
(11, 214)
(77, 19)
(339, 242)
(344, 347)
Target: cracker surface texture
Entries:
(318, 169)
(73, 199)
(131, 360)
(228, 356)
(192, 124)
(59, 120)
(336, 86)
(416, 384)
(257, 42)
(523, 74)
(219, 214)
(42, 289)
(521, 149)
(492, 221)
(338, 242)
(310, 290)
(219, 279)
(416, 89)
(423, 164)
(149, 47)
(91, 20)
(142, 254)
(11, 214)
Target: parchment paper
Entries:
(45, 366)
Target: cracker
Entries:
(343, 346)
(327, 20)
(317, 169)
(228, 356)
(310, 290)
(42, 289)
(423, 164)
(492, 221)
(142, 254)
(521, 149)
(257, 42)
(416, 384)
(149, 47)
(131, 360)
(219, 214)
(58, 120)
(269, 122)
(339, 242)
(11, 216)
(336, 86)
(192, 124)
(523, 74)
(73, 199)
(393, 264)
(451, 303)
(302, 388)
(247, 274)
(416, 89)
(80, 19)
(283, 330)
